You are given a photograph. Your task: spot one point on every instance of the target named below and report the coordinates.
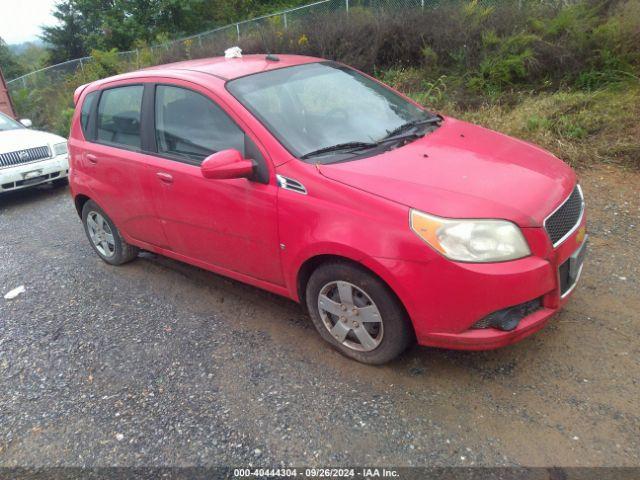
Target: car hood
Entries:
(23, 138)
(464, 171)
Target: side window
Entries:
(85, 114)
(191, 126)
(119, 116)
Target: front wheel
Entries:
(357, 313)
(105, 237)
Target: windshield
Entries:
(7, 123)
(320, 108)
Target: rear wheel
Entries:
(357, 313)
(105, 237)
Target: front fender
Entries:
(337, 220)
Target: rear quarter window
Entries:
(85, 115)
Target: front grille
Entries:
(561, 222)
(23, 156)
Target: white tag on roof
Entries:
(233, 52)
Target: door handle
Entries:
(92, 158)
(164, 177)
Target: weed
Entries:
(566, 77)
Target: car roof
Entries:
(230, 68)
(220, 67)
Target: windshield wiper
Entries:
(411, 124)
(393, 135)
(339, 147)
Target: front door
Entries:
(225, 223)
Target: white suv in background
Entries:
(29, 157)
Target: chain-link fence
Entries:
(368, 34)
(227, 35)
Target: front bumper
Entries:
(489, 338)
(444, 299)
(36, 173)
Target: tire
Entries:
(387, 324)
(60, 182)
(108, 242)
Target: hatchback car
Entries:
(30, 157)
(312, 180)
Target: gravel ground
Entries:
(157, 363)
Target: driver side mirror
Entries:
(226, 164)
(26, 122)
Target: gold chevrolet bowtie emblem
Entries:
(582, 231)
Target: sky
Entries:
(20, 20)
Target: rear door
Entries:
(116, 168)
(223, 223)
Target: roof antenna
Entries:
(269, 57)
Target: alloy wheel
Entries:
(350, 316)
(101, 234)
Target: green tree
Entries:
(8, 62)
(32, 57)
(86, 25)
(105, 24)
(66, 40)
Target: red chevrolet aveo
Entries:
(314, 181)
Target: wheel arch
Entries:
(311, 264)
(79, 201)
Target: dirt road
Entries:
(159, 363)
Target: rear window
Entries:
(85, 114)
(119, 114)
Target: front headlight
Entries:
(471, 240)
(60, 149)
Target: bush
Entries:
(582, 128)
(505, 61)
(459, 56)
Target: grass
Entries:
(563, 75)
(581, 127)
